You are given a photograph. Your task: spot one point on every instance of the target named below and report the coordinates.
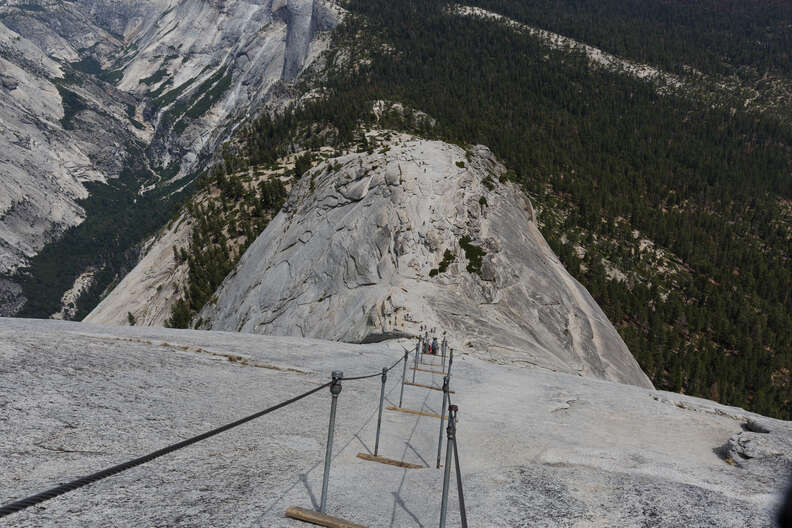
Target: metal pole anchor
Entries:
(451, 430)
(335, 390)
(382, 400)
(417, 347)
(443, 348)
(442, 420)
(404, 375)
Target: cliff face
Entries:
(369, 245)
(92, 88)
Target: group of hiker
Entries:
(434, 346)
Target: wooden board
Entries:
(427, 370)
(410, 411)
(310, 516)
(420, 413)
(388, 461)
(427, 386)
(432, 364)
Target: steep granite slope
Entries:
(369, 244)
(91, 89)
(536, 448)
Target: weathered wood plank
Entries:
(426, 386)
(411, 411)
(310, 516)
(388, 461)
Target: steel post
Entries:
(462, 510)
(442, 419)
(450, 361)
(443, 347)
(382, 401)
(335, 390)
(417, 348)
(451, 430)
(404, 376)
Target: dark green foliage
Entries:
(224, 229)
(72, 105)
(488, 183)
(302, 164)
(460, 164)
(483, 201)
(155, 78)
(207, 94)
(474, 254)
(211, 96)
(88, 65)
(702, 182)
(117, 219)
(716, 36)
(131, 319)
(170, 96)
(448, 258)
(272, 194)
(112, 76)
(180, 315)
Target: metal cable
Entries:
(19, 505)
(355, 378)
(397, 362)
(459, 487)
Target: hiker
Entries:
(435, 346)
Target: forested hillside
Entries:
(675, 214)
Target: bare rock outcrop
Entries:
(370, 244)
(536, 448)
(87, 88)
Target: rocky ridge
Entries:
(370, 243)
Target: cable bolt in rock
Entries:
(442, 419)
(335, 390)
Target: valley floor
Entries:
(537, 448)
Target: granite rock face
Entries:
(154, 285)
(88, 88)
(368, 245)
(536, 448)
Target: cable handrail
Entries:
(335, 389)
(367, 376)
(27, 502)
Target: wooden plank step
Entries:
(427, 370)
(419, 413)
(427, 386)
(389, 461)
(411, 411)
(321, 519)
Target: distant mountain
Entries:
(652, 138)
(111, 107)
(369, 244)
